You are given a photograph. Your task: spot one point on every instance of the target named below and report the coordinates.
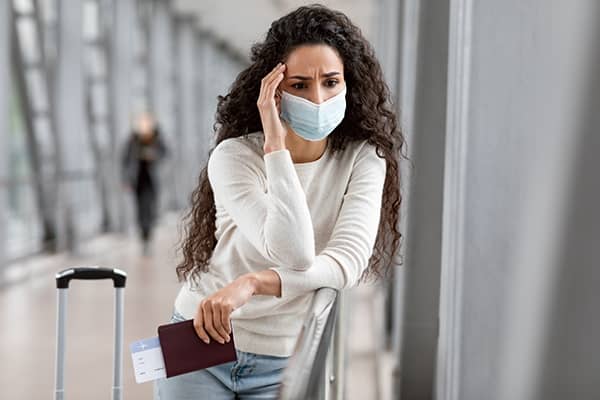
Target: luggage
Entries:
(63, 279)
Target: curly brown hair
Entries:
(369, 116)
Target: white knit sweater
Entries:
(313, 223)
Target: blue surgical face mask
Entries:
(313, 121)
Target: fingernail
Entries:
(228, 338)
(207, 341)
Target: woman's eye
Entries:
(298, 85)
(331, 82)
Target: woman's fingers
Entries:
(218, 323)
(199, 327)
(271, 87)
(265, 80)
(266, 94)
(208, 323)
(269, 109)
(273, 82)
(212, 320)
(225, 321)
(278, 69)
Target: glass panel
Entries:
(28, 38)
(23, 226)
(23, 6)
(95, 62)
(18, 166)
(37, 87)
(139, 103)
(48, 10)
(139, 81)
(139, 41)
(49, 28)
(102, 136)
(90, 20)
(43, 133)
(99, 99)
(87, 207)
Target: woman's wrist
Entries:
(266, 283)
(274, 145)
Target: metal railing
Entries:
(316, 369)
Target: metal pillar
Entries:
(76, 191)
(96, 102)
(407, 66)
(33, 83)
(5, 90)
(141, 49)
(386, 47)
(120, 71)
(417, 283)
(201, 82)
(162, 85)
(207, 102)
(187, 121)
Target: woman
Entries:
(300, 192)
(143, 152)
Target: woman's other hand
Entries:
(268, 107)
(212, 316)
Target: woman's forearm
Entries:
(266, 283)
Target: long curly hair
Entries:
(369, 116)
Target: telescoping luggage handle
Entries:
(63, 278)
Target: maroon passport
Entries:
(183, 351)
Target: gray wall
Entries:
(521, 94)
(498, 102)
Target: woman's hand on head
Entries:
(212, 318)
(269, 108)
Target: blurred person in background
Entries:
(300, 192)
(141, 157)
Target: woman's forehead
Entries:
(310, 59)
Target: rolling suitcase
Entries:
(63, 279)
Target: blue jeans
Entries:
(251, 377)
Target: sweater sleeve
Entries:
(277, 223)
(342, 262)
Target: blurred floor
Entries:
(28, 310)
(28, 313)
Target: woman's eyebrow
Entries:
(307, 78)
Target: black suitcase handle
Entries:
(65, 276)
